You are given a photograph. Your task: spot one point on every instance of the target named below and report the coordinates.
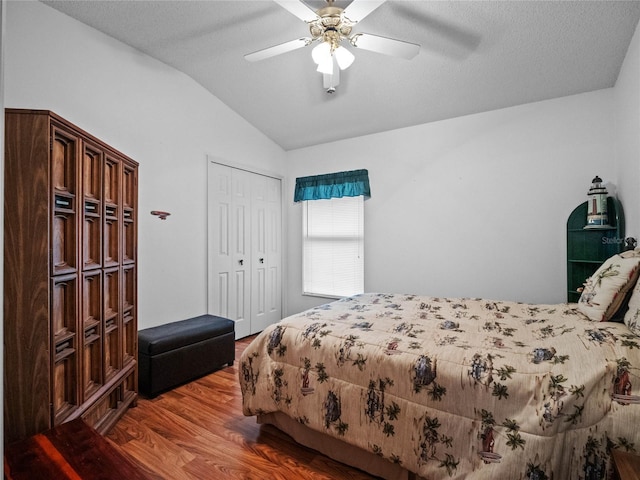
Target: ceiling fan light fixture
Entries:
(331, 26)
(344, 57)
(330, 82)
(321, 52)
(326, 66)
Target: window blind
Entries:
(333, 247)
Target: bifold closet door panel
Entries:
(266, 257)
(229, 250)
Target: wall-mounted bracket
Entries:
(161, 214)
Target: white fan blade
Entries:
(358, 9)
(277, 49)
(387, 46)
(299, 9)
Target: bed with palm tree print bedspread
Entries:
(455, 387)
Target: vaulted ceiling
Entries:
(475, 56)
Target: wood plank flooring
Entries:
(198, 432)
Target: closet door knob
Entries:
(241, 262)
(262, 260)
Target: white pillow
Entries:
(605, 290)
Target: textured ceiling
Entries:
(475, 56)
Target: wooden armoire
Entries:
(70, 296)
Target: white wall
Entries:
(473, 206)
(627, 131)
(152, 113)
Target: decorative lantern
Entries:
(597, 205)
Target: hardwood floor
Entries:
(198, 432)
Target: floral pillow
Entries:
(605, 290)
(632, 316)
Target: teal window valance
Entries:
(332, 185)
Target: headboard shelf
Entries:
(588, 248)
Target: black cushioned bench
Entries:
(177, 352)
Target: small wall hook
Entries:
(161, 214)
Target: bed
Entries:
(409, 386)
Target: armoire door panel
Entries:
(111, 293)
(91, 239)
(92, 361)
(64, 328)
(128, 204)
(129, 238)
(92, 168)
(91, 298)
(111, 348)
(130, 340)
(111, 345)
(129, 332)
(111, 181)
(63, 242)
(65, 394)
(63, 307)
(111, 322)
(129, 292)
(129, 186)
(111, 240)
(64, 160)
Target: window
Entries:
(333, 232)
(333, 247)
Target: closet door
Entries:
(240, 241)
(266, 292)
(244, 276)
(229, 246)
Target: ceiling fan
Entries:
(329, 27)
